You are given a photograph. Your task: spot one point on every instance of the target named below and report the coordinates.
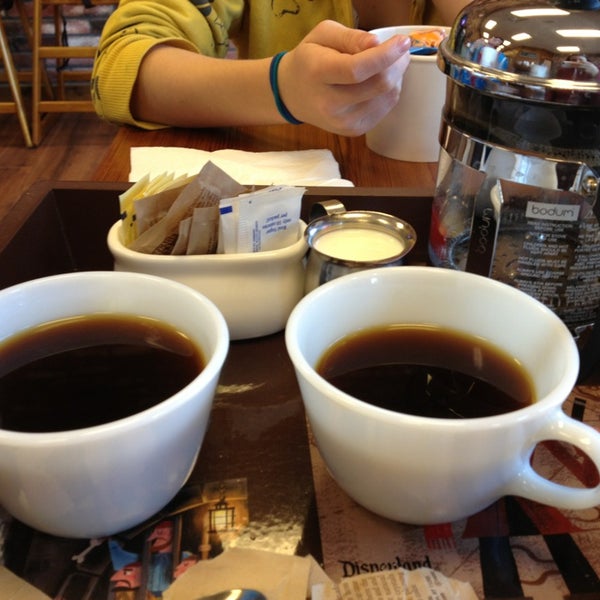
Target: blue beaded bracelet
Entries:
(281, 107)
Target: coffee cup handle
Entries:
(529, 484)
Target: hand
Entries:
(342, 79)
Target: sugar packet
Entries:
(203, 192)
(397, 584)
(258, 221)
(146, 188)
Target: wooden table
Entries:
(357, 163)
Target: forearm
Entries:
(134, 29)
(185, 89)
(337, 78)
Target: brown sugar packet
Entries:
(204, 191)
(203, 235)
(152, 208)
(145, 188)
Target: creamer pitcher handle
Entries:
(529, 484)
(326, 207)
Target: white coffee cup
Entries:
(99, 480)
(424, 470)
(410, 131)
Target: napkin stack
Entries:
(300, 167)
(283, 577)
(15, 588)
(277, 576)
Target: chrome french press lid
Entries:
(541, 50)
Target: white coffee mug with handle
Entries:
(424, 470)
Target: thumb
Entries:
(341, 38)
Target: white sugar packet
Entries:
(277, 576)
(15, 588)
(260, 221)
(397, 584)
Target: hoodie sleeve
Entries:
(135, 27)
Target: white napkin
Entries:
(277, 576)
(398, 584)
(284, 577)
(15, 588)
(297, 167)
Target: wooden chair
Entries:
(60, 52)
(16, 106)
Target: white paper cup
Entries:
(410, 131)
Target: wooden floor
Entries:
(72, 146)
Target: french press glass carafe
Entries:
(517, 188)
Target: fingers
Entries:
(384, 83)
(368, 63)
(354, 80)
(359, 107)
(342, 39)
(360, 118)
(348, 56)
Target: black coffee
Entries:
(87, 370)
(427, 371)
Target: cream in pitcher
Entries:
(342, 242)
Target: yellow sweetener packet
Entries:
(143, 188)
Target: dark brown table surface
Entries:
(256, 453)
(256, 447)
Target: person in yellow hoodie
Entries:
(160, 63)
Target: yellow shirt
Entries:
(258, 28)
